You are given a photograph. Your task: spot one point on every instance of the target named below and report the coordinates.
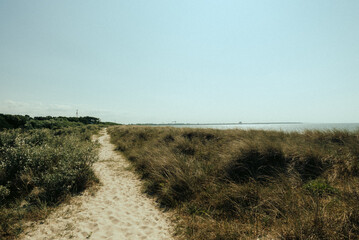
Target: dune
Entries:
(117, 210)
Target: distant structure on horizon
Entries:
(77, 113)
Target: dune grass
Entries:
(39, 169)
(247, 184)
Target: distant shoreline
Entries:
(208, 124)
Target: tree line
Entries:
(8, 121)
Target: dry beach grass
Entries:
(247, 184)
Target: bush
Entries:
(42, 167)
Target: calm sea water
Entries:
(283, 127)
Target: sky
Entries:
(159, 61)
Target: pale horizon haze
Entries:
(185, 61)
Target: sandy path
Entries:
(118, 210)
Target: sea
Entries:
(287, 127)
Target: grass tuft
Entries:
(247, 184)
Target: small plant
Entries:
(319, 187)
(4, 192)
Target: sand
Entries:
(117, 210)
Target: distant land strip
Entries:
(205, 124)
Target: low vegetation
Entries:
(40, 168)
(248, 184)
(8, 121)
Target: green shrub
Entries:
(319, 187)
(42, 167)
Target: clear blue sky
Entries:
(186, 61)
